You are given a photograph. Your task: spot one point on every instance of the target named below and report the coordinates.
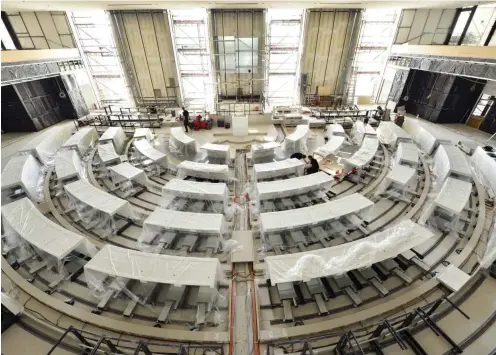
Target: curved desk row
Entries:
(278, 168)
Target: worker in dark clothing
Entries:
(185, 118)
(298, 156)
(312, 167)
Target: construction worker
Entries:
(185, 115)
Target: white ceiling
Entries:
(68, 5)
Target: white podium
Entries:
(240, 125)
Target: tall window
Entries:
(473, 26)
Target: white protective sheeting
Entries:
(490, 254)
(335, 129)
(314, 215)
(156, 268)
(451, 200)
(195, 190)
(45, 145)
(82, 140)
(296, 142)
(146, 150)
(240, 126)
(391, 134)
(485, 168)
(361, 130)
(294, 186)
(143, 133)
(107, 153)
(117, 136)
(363, 155)
(279, 168)
(453, 278)
(426, 140)
(180, 143)
(217, 152)
(400, 180)
(68, 165)
(28, 224)
(331, 147)
(342, 258)
(22, 171)
(92, 203)
(186, 222)
(407, 154)
(450, 161)
(203, 170)
(126, 172)
(263, 150)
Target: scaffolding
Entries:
(283, 48)
(191, 48)
(93, 32)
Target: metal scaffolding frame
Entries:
(189, 33)
(95, 40)
(283, 55)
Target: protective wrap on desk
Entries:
(194, 196)
(68, 165)
(399, 182)
(180, 144)
(332, 147)
(363, 155)
(149, 156)
(278, 169)
(45, 145)
(115, 135)
(490, 254)
(128, 178)
(203, 170)
(389, 133)
(96, 208)
(296, 142)
(29, 233)
(24, 171)
(360, 130)
(484, 167)
(345, 257)
(217, 153)
(449, 160)
(107, 154)
(82, 140)
(145, 133)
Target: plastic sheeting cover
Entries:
(490, 254)
(196, 190)
(180, 143)
(82, 140)
(360, 130)
(146, 267)
(143, 133)
(146, 149)
(296, 141)
(127, 172)
(117, 136)
(45, 145)
(107, 153)
(426, 140)
(259, 150)
(335, 129)
(294, 186)
(23, 171)
(345, 257)
(29, 224)
(448, 160)
(279, 168)
(365, 154)
(485, 168)
(454, 195)
(331, 147)
(389, 133)
(313, 215)
(407, 153)
(217, 151)
(68, 164)
(203, 170)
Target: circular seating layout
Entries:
(133, 241)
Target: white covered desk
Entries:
(453, 278)
(485, 166)
(143, 133)
(401, 179)
(278, 169)
(427, 141)
(115, 135)
(107, 153)
(196, 190)
(407, 154)
(82, 140)
(22, 171)
(342, 258)
(146, 150)
(68, 165)
(331, 147)
(294, 186)
(361, 130)
(83, 192)
(335, 129)
(308, 216)
(391, 134)
(364, 154)
(181, 143)
(217, 151)
(45, 145)
(263, 150)
(156, 268)
(185, 222)
(296, 141)
(451, 161)
(128, 172)
(36, 229)
(203, 170)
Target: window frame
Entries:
(472, 10)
